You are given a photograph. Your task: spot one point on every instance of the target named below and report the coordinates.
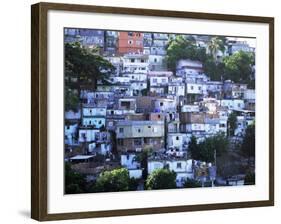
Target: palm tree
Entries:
(215, 45)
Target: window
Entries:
(99, 121)
(159, 116)
(121, 130)
(177, 138)
(67, 127)
(199, 87)
(120, 142)
(178, 165)
(191, 87)
(142, 60)
(132, 60)
(137, 142)
(154, 80)
(130, 42)
(155, 60)
(163, 80)
(161, 104)
(125, 104)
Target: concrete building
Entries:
(135, 63)
(182, 167)
(130, 42)
(135, 135)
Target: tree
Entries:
(161, 179)
(194, 148)
(212, 147)
(239, 68)
(183, 48)
(83, 66)
(215, 45)
(114, 180)
(74, 182)
(248, 143)
(214, 69)
(250, 179)
(189, 183)
(71, 100)
(231, 124)
(142, 159)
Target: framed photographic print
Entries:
(139, 111)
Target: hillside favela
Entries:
(148, 111)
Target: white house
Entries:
(165, 105)
(157, 62)
(96, 122)
(214, 86)
(158, 80)
(176, 89)
(129, 161)
(137, 76)
(89, 111)
(190, 108)
(193, 128)
(212, 126)
(182, 167)
(196, 88)
(178, 141)
(120, 79)
(87, 135)
(72, 115)
(249, 94)
(138, 86)
(189, 67)
(70, 131)
(101, 148)
(232, 104)
(135, 63)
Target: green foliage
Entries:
(71, 100)
(239, 68)
(193, 148)
(232, 123)
(183, 48)
(85, 63)
(248, 144)
(250, 179)
(82, 66)
(189, 183)
(74, 182)
(206, 150)
(213, 69)
(142, 159)
(114, 180)
(215, 45)
(161, 179)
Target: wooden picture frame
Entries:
(39, 108)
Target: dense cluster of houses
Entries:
(145, 106)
